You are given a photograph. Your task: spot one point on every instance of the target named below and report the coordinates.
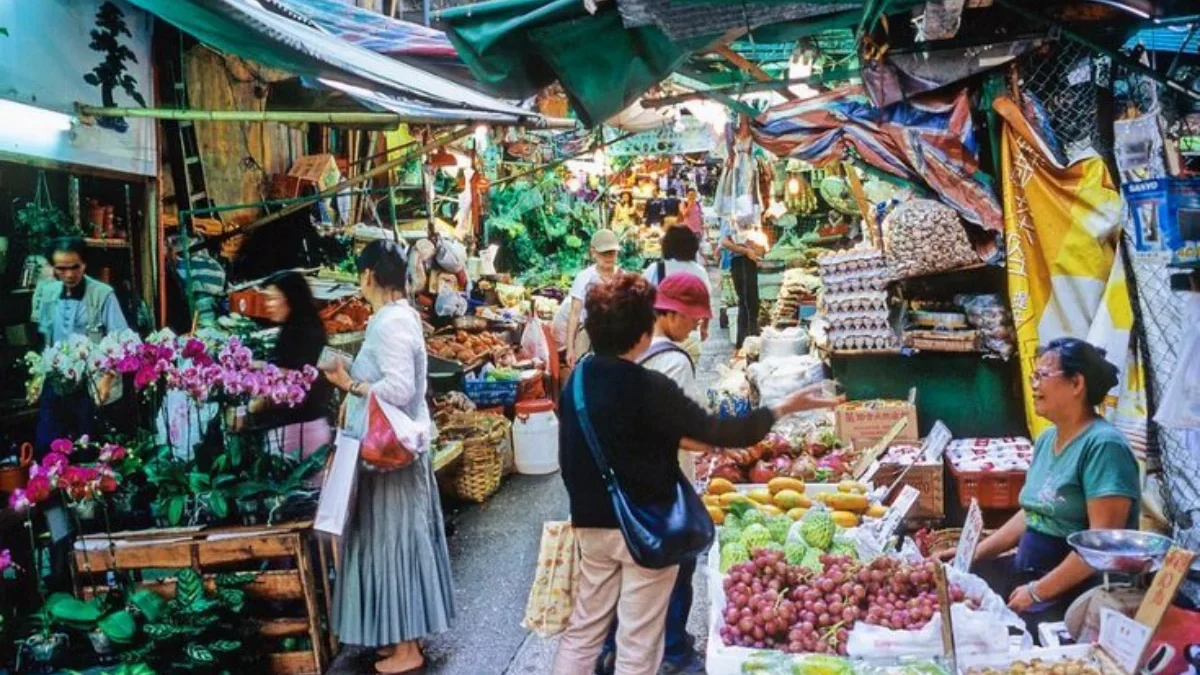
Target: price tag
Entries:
(1123, 639)
(972, 529)
(896, 512)
(1166, 582)
(935, 443)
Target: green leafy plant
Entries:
(281, 479)
(170, 479)
(200, 630)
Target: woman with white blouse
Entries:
(394, 585)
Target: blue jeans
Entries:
(678, 646)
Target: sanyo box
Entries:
(1166, 217)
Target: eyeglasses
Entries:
(1041, 375)
(68, 268)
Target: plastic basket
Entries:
(992, 489)
(489, 393)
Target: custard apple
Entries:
(795, 552)
(756, 536)
(818, 529)
(779, 526)
(733, 554)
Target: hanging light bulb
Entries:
(793, 186)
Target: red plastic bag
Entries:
(382, 450)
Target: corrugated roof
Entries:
(1166, 40)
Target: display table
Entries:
(298, 575)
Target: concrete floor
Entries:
(493, 550)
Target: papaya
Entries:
(777, 485)
(788, 499)
(711, 500)
(844, 501)
(760, 495)
(796, 513)
(717, 515)
(845, 518)
(877, 511)
(770, 509)
(852, 487)
(730, 498)
(720, 486)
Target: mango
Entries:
(760, 495)
(845, 518)
(730, 498)
(797, 513)
(720, 486)
(777, 485)
(788, 499)
(717, 515)
(843, 501)
(770, 509)
(852, 487)
(711, 500)
(877, 511)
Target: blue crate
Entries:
(485, 393)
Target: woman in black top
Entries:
(305, 427)
(639, 417)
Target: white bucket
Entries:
(535, 437)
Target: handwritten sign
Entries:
(870, 456)
(969, 541)
(1166, 583)
(896, 512)
(1123, 639)
(935, 443)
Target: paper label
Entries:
(969, 541)
(935, 443)
(1122, 638)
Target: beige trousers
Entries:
(610, 581)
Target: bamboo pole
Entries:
(308, 117)
(334, 189)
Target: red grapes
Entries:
(773, 605)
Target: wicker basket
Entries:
(486, 441)
(948, 538)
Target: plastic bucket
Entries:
(535, 437)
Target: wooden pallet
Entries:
(300, 572)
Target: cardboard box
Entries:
(927, 477)
(1166, 217)
(864, 423)
(321, 170)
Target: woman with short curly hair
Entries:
(639, 416)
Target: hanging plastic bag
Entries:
(449, 302)
(1180, 407)
(533, 341)
(337, 494)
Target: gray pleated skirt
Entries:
(395, 583)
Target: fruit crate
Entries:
(992, 489)
(297, 574)
(927, 477)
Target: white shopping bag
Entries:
(338, 492)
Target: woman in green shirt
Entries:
(1083, 476)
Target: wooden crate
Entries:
(300, 572)
(926, 477)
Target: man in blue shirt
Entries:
(72, 304)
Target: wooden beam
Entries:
(750, 67)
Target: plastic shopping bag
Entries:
(533, 341)
(337, 495)
(552, 595)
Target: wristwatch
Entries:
(1032, 588)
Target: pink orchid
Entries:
(19, 500)
(38, 490)
(5, 560)
(64, 445)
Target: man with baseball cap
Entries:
(605, 247)
(682, 303)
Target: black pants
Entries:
(745, 283)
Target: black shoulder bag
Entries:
(658, 536)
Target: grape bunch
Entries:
(773, 605)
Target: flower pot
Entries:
(86, 510)
(250, 511)
(15, 477)
(106, 652)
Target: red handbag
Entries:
(381, 450)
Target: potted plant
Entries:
(169, 479)
(284, 482)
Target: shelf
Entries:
(106, 243)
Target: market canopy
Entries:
(250, 30)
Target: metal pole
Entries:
(334, 189)
(297, 117)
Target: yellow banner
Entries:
(1061, 226)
